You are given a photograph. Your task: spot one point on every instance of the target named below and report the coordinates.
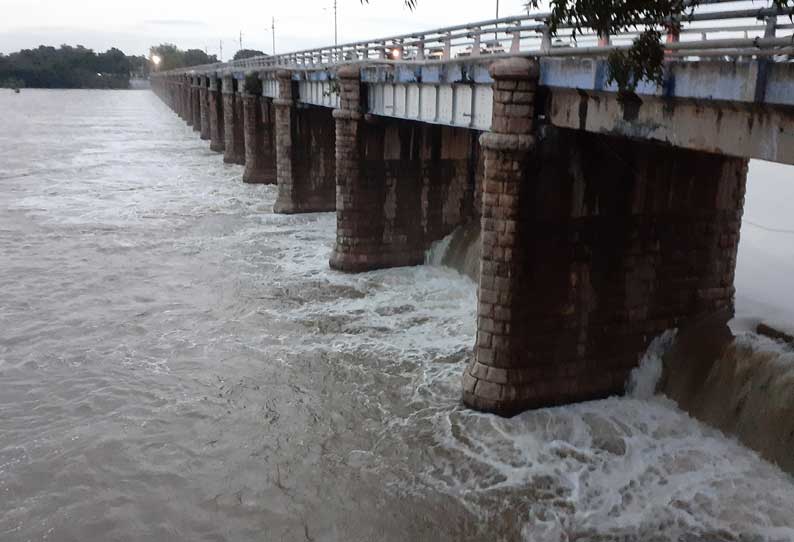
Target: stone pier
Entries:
(234, 146)
(204, 108)
(195, 103)
(185, 102)
(260, 158)
(592, 246)
(304, 148)
(605, 218)
(400, 185)
(215, 114)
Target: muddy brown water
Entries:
(177, 363)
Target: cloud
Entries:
(175, 22)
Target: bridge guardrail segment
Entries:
(715, 21)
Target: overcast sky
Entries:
(135, 26)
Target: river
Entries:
(177, 363)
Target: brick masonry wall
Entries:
(216, 119)
(204, 103)
(195, 108)
(187, 100)
(400, 184)
(260, 167)
(239, 129)
(305, 153)
(592, 245)
(234, 144)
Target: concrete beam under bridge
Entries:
(740, 129)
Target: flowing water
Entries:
(177, 363)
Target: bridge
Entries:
(606, 217)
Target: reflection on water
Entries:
(178, 363)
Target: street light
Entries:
(156, 61)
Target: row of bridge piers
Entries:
(592, 244)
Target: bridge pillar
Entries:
(260, 161)
(204, 107)
(215, 114)
(195, 98)
(178, 105)
(592, 245)
(399, 184)
(187, 96)
(234, 148)
(304, 146)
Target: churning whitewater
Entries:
(178, 363)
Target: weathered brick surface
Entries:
(187, 97)
(195, 107)
(260, 160)
(304, 148)
(215, 114)
(592, 245)
(400, 184)
(234, 145)
(204, 105)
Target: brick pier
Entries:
(592, 246)
(304, 148)
(260, 159)
(234, 145)
(400, 185)
(204, 108)
(215, 114)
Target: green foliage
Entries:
(645, 59)
(197, 57)
(247, 53)
(65, 67)
(172, 57)
(12, 82)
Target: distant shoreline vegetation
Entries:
(70, 67)
(79, 67)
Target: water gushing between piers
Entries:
(149, 392)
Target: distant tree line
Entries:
(79, 67)
(247, 53)
(172, 57)
(69, 67)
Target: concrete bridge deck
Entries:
(606, 217)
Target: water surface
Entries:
(177, 363)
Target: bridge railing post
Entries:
(477, 45)
(770, 27)
(420, 48)
(447, 54)
(515, 43)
